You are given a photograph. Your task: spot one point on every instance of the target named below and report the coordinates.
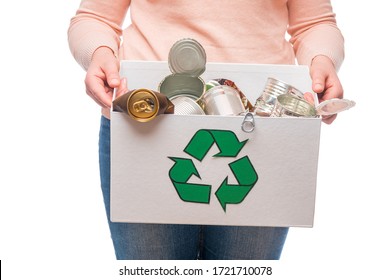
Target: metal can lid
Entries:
(187, 56)
(334, 106)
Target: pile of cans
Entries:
(184, 92)
(188, 92)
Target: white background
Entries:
(53, 225)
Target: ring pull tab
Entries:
(248, 124)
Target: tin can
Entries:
(273, 88)
(187, 61)
(245, 101)
(290, 105)
(222, 100)
(143, 105)
(185, 105)
(182, 84)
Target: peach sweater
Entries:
(243, 31)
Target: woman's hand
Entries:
(102, 76)
(325, 82)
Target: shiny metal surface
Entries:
(222, 100)
(289, 105)
(273, 88)
(182, 84)
(143, 105)
(187, 56)
(185, 105)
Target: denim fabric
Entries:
(184, 242)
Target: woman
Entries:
(230, 31)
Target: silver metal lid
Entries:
(187, 56)
(334, 106)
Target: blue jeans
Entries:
(184, 242)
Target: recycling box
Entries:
(202, 169)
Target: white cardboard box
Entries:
(272, 180)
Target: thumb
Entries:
(319, 73)
(111, 71)
(122, 89)
(318, 83)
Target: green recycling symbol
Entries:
(198, 147)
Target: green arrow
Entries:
(244, 171)
(229, 146)
(227, 142)
(232, 194)
(180, 173)
(193, 192)
(200, 144)
(246, 177)
(182, 170)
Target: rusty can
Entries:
(143, 105)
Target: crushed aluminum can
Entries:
(143, 105)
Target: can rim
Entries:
(296, 105)
(173, 76)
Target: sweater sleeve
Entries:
(314, 31)
(97, 23)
